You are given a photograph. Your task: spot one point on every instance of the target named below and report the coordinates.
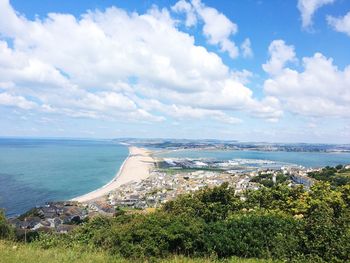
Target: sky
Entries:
(247, 70)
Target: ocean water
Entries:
(306, 159)
(34, 171)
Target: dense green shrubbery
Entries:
(6, 231)
(261, 235)
(337, 176)
(266, 179)
(207, 204)
(278, 222)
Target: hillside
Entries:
(20, 253)
(289, 224)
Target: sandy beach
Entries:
(135, 168)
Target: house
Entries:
(65, 228)
(102, 207)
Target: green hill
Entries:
(283, 223)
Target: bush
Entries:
(207, 204)
(278, 222)
(327, 233)
(6, 230)
(263, 235)
(153, 235)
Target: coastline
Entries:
(136, 166)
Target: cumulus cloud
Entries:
(183, 6)
(16, 101)
(242, 76)
(185, 112)
(111, 64)
(340, 24)
(321, 89)
(246, 48)
(308, 8)
(217, 28)
(280, 54)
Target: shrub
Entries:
(261, 235)
(278, 222)
(6, 230)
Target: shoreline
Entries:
(137, 166)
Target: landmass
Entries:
(136, 167)
(147, 182)
(211, 144)
(277, 222)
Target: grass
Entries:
(15, 253)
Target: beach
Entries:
(136, 167)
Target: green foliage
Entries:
(327, 223)
(19, 253)
(26, 235)
(337, 176)
(34, 212)
(208, 204)
(266, 179)
(278, 222)
(139, 236)
(279, 197)
(261, 235)
(6, 230)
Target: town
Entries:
(170, 178)
(175, 177)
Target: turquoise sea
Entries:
(306, 159)
(34, 171)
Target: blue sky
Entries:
(247, 70)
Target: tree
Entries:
(6, 230)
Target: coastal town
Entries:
(179, 131)
(187, 176)
(167, 178)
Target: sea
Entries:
(305, 159)
(36, 171)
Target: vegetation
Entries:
(337, 176)
(19, 253)
(6, 231)
(15, 253)
(278, 222)
(266, 179)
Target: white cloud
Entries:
(217, 28)
(247, 51)
(308, 8)
(320, 90)
(110, 64)
(242, 76)
(16, 101)
(280, 54)
(269, 108)
(183, 6)
(185, 112)
(340, 24)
